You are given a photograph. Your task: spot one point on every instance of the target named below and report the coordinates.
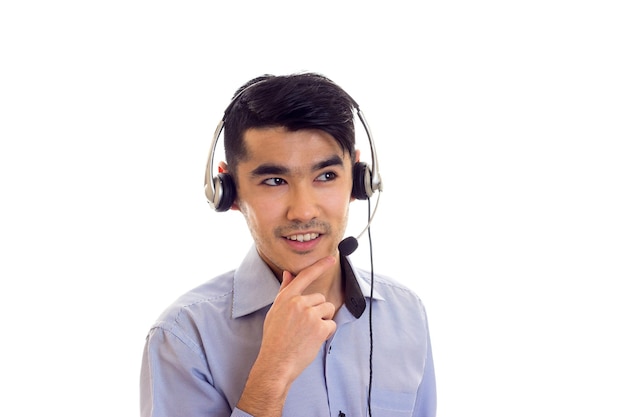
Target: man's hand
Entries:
(295, 328)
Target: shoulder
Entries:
(396, 295)
(206, 301)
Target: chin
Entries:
(302, 261)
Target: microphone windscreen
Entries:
(348, 246)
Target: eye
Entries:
(273, 182)
(326, 176)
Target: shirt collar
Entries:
(255, 286)
(356, 288)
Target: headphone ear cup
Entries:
(361, 181)
(225, 192)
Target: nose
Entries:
(302, 204)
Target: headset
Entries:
(221, 192)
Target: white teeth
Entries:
(303, 238)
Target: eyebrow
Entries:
(275, 169)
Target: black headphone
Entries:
(221, 191)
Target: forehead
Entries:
(291, 148)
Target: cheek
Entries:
(337, 205)
(259, 213)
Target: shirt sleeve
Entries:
(238, 413)
(175, 379)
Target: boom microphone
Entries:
(348, 246)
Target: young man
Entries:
(288, 332)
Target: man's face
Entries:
(294, 190)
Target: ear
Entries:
(222, 168)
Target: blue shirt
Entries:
(199, 352)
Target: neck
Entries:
(330, 285)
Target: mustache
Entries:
(295, 227)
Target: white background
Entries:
(500, 129)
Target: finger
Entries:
(330, 327)
(287, 278)
(326, 310)
(300, 282)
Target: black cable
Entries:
(369, 236)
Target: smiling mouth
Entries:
(303, 237)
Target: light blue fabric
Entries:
(199, 352)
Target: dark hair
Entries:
(295, 102)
